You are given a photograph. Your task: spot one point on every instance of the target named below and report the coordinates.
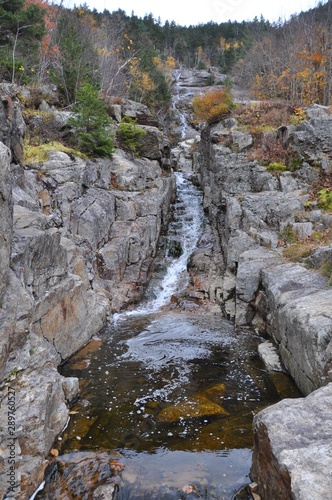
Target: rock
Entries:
(198, 406)
(55, 293)
(319, 256)
(194, 78)
(300, 322)
(292, 455)
(12, 128)
(59, 316)
(39, 259)
(318, 111)
(242, 140)
(71, 388)
(248, 209)
(302, 229)
(153, 143)
(139, 112)
(82, 475)
(41, 418)
(174, 248)
(248, 282)
(6, 219)
(92, 216)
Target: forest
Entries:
(130, 57)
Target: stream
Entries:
(172, 394)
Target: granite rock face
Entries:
(252, 212)
(293, 448)
(12, 128)
(78, 238)
(6, 219)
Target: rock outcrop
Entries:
(77, 239)
(293, 448)
(6, 220)
(251, 212)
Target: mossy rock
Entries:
(39, 154)
(276, 166)
(198, 406)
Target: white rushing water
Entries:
(185, 229)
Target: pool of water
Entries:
(174, 394)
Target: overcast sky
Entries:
(186, 12)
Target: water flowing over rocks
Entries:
(249, 209)
(77, 241)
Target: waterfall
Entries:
(176, 99)
(185, 230)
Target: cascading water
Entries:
(184, 231)
(175, 105)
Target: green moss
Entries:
(276, 166)
(12, 375)
(39, 154)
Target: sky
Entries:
(186, 12)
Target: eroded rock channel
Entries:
(80, 240)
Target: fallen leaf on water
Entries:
(190, 488)
(116, 466)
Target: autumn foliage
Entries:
(212, 106)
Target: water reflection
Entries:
(175, 395)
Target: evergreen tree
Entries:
(92, 123)
(21, 30)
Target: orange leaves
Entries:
(212, 106)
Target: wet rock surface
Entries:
(84, 475)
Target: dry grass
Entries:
(261, 120)
(262, 116)
(301, 249)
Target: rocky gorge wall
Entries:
(249, 210)
(77, 239)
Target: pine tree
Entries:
(21, 29)
(91, 123)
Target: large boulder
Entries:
(292, 455)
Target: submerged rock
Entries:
(198, 406)
(84, 475)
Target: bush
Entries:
(42, 127)
(288, 235)
(129, 135)
(91, 123)
(212, 106)
(298, 116)
(325, 199)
